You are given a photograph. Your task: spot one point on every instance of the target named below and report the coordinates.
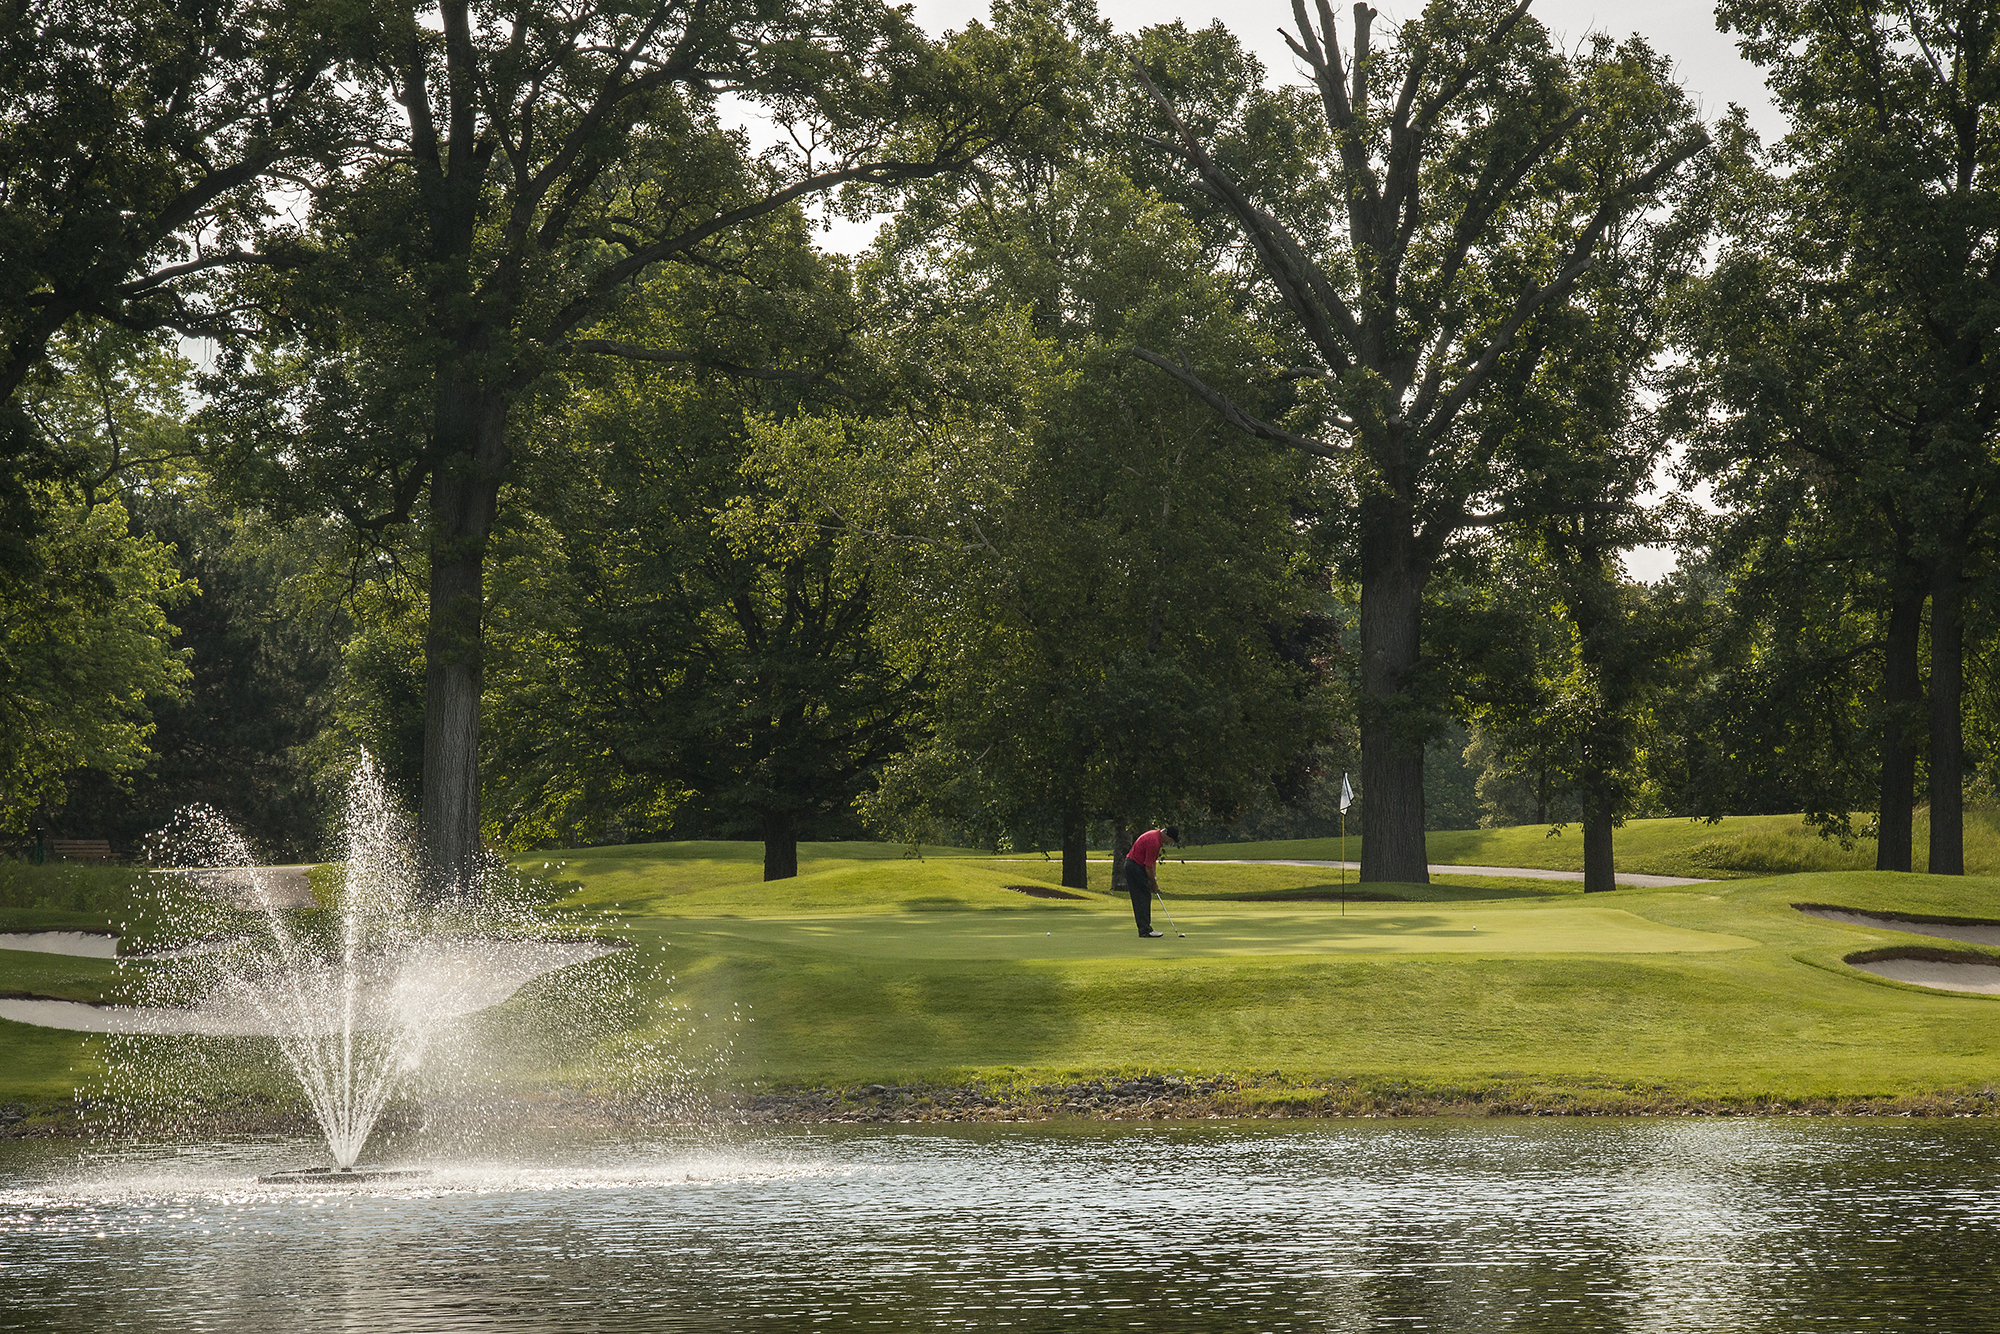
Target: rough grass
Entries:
(88, 889)
(40, 1065)
(1735, 847)
(876, 968)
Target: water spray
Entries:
(360, 983)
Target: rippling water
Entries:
(1525, 1225)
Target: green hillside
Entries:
(875, 967)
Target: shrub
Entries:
(69, 886)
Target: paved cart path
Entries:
(1438, 868)
(1452, 868)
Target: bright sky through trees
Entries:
(1707, 60)
(1684, 30)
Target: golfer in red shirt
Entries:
(1140, 880)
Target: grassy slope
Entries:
(902, 970)
(43, 1064)
(874, 967)
(1738, 845)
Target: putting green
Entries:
(1239, 929)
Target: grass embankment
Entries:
(870, 968)
(1736, 847)
(39, 1066)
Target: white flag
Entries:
(1346, 795)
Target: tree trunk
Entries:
(1121, 843)
(465, 488)
(1392, 750)
(1598, 822)
(1902, 691)
(1075, 865)
(1947, 758)
(1603, 753)
(781, 846)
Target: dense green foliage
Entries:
(137, 140)
(522, 169)
(1186, 440)
(1116, 594)
(1478, 170)
(170, 648)
(86, 644)
(1840, 390)
(678, 651)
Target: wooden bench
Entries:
(81, 850)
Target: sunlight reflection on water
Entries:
(1526, 1225)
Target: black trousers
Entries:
(1139, 884)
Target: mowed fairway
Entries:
(1214, 931)
(878, 969)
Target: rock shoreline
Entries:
(1171, 1098)
(1146, 1098)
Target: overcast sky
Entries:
(1682, 29)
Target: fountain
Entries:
(351, 972)
(350, 1020)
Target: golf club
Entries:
(1170, 914)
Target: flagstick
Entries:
(1346, 797)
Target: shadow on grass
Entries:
(850, 1018)
(1382, 892)
(1307, 894)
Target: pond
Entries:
(1640, 1225)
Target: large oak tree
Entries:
(1477, 169)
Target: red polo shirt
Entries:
(1145, 849)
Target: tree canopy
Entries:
(1181, 425)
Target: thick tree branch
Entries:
(1487, 202)
(614, 276)
(1227, 409)
(161, 277)
(1303, 285)
(1534, 298)
(1344, 116)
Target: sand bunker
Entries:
(1968, 929)
(1964, 973)
(1937, 969)
(104, 944)
(445, 979)
(77, 944)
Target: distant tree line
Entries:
(473, 384)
